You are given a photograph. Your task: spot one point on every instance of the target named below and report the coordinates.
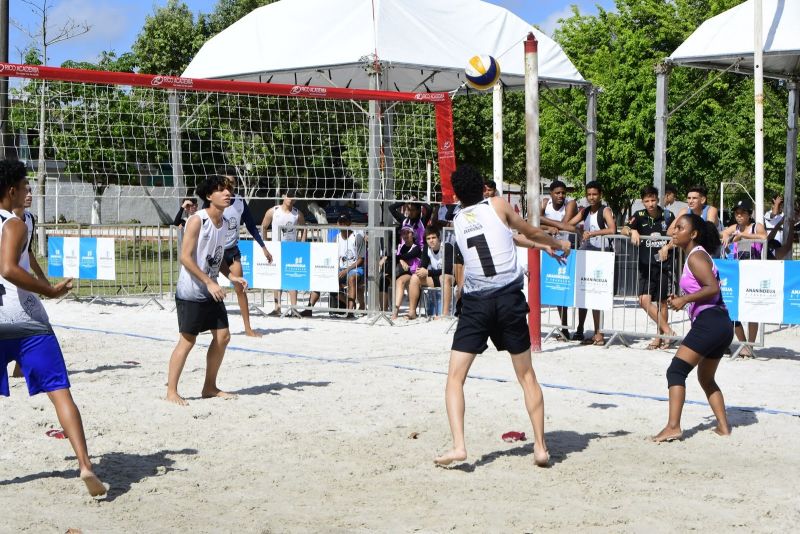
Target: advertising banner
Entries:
(761, 291)
(791, 292)
(729, 285)
(84, 258)
(594, 280)
(558, 281)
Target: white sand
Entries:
(318, 439)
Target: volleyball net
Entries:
(131, 136)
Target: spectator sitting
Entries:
(408, 261)
(436, 270)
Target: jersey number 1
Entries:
(484, 254)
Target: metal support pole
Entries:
(791, 156)
(374, 210)
(591, 133)
(758, 88)
(5, 146)
(532, 172)
(175, 143)
(662, 114)
(497, 135)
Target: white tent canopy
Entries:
(727, 42)
(727, 39)
(423, 45)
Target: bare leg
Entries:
(677, 396)
(216, 352)
(752, 332)
(581, 320)
(447, 289)
(70, 419)
(293, 297)
(17, 373)
(176, 363)
(460, 363)
(241, 297)
(706, 370)
(534, 403)
(277, 297)
(414, 291)
(399, 286)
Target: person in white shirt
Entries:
(281, 221)
(493, 304)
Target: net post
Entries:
(532, 183)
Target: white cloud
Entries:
(551, 22)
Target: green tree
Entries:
(226, 12)
(168, 41)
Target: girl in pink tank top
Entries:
(711, 332)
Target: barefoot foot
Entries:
(253, 333)
(722, 432)
(541, 457)
(456, 455)
(212, 393)
(174, 398)
(93, 484)
(668, 434)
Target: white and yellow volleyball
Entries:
(482, 72)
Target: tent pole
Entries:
(662, 114)
(497, 125)
(591, 133)
(791, 153)
(758, 86)
(374, 211)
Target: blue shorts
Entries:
(358, 271)
(40, 359)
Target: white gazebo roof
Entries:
(727, 39)
(423, 45)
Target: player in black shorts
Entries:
(493, 304)
(655, 276)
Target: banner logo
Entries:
(173, 81)
(430, 97)
(22, 70)
(306, 90)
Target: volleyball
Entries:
(482, 72)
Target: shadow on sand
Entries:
(276, 387)
(120, 470)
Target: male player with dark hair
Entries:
(25, 332)
(493, 304)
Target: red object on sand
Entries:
(56, 433)
(512, 436)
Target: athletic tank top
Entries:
(689, 285)
(281, 217)
(233, 214)
(487, 246)
(556, 214)
(755, 248)
(21, 312)
(591, 225)
(436, 259)
(208, 256)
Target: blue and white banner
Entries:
(295, 266)
(791, 292)
(585, 281)
(761, 291)
(84, 258)
(558, 281)
(729, 285)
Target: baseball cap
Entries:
(744, 205)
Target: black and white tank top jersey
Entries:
(233, 214)
(487, 246)
(21, 311)
(208, 255)
(287, 219)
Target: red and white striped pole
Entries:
(532, 184)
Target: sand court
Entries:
(336, 424)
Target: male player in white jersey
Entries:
(281, 220)
(493, 304)
(27, 216)
(198, 297)
(25, 332)
(237, 214)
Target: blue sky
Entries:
(115, 23)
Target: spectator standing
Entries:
(417, 216)
(281, 221)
